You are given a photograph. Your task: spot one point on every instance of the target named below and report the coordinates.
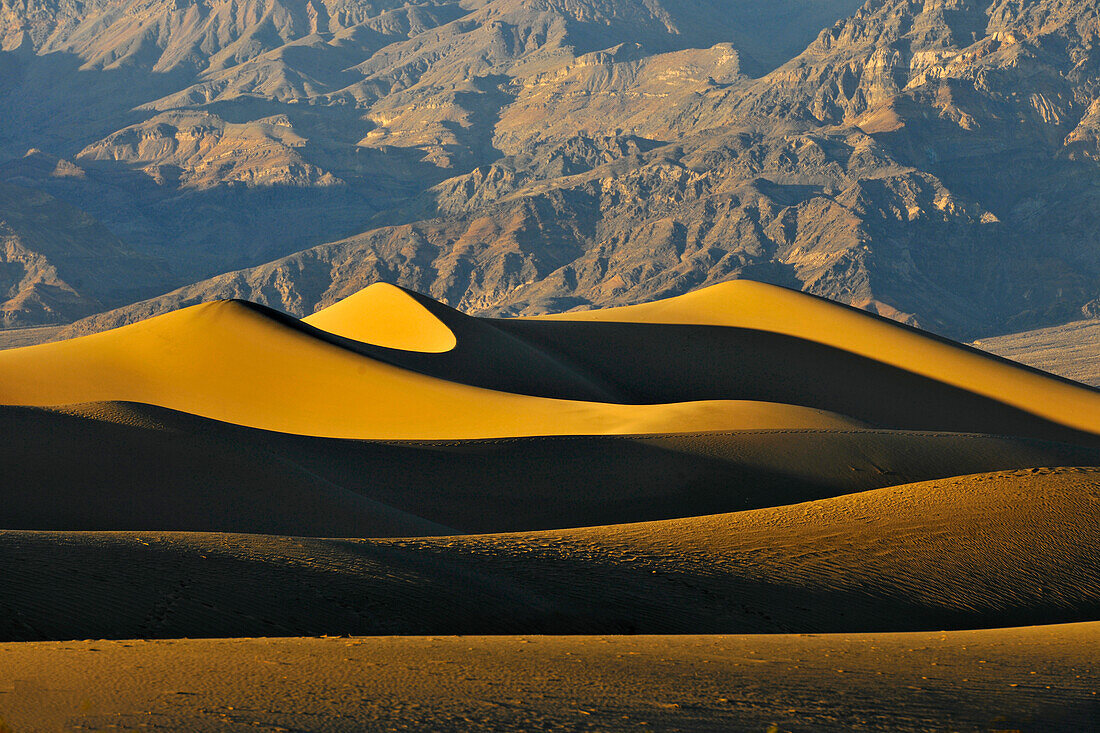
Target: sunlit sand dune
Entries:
(725, 418)
(395, 365)
(743, 459)
(479, 351)
(1071, 350)
(242, 364)
(745, 304)
(385, 315)
(740, 341)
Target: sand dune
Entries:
(483, 353)
(954, 553)
(243, 364)
(132, 466)
(385, 315)
(746, 341)
(756, 306)
(108, 467)
(1032, 678)
(740, 459)
(754, 357)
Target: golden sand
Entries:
(232, 362)
(241, 364)
(741, 459)
(385, 315)
(748, 304)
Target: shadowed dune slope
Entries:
(109, 467)
(481, 353)
(112, 466)
(985, 550)
(248, 365)
(737, 356)
(188, 421)
(753, 306)
(741, 341)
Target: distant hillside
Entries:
(1072, 350)
(58, 264)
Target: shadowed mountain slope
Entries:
(58, 264)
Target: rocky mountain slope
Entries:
(57, 263)
(934, 161)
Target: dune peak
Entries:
(385, 315)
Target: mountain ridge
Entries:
(516, 157)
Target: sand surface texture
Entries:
(740, 460)
(986, 550)
(1030, 679)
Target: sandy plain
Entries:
(1027, 679)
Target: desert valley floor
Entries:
(745, 508)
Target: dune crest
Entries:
(762, 307)
(385, 315)
(243, 364)
(746, 356)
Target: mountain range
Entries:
(933, 161)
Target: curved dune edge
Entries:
(753, 305)
(129, 466)
(121, 467)
(385, 315)
(233, 362)
(955, 553)
(483, 354)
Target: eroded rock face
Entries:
(931, 161)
